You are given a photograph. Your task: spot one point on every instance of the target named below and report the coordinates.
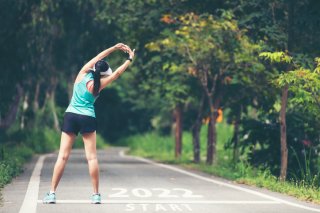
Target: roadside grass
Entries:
(155, 146)
(20, 146)
(161, 148)
(11, 163)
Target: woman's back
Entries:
(82, 100)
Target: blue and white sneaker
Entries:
(96, 199)
(49, 198)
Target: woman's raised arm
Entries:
(118, 72)
(103, 54)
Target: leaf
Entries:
(153, 46)
(276, 57)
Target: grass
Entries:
(161, 148)
(11, 162)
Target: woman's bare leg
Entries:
(89, 140)
(64, 152)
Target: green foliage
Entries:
(38, 140)
(299, 189)
(260, 140)
(43, 140)
(206, 42)
(12, 161)
(317, 69)
(303, 83)
(159, 147)
(276, 57)
(305, 167)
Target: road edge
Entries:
(236, 186)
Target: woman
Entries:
(80, 117)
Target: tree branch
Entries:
(190, 56)
(214, 83)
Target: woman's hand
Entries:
(123, 47)
(126, 49)
(131, 53)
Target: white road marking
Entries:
(29, 204)
(122, 154)
(168, 202)
(144, 192)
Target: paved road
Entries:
(130, 184)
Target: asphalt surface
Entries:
(130, 184)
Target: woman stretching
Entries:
(80, 117)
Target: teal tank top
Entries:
(82, 100)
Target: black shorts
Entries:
(75, 123)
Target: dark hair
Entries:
(100, 66)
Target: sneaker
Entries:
(96, 199)
(49, 198)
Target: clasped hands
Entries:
(126, 49)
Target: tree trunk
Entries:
(46, 99)
(13, 110)
(24, 109)
(196, 127)
(236, 141)
(178, 130)
(284, 99)
(212, 132)
(210, 144)
(52, 102)
(196, 142)
(283, 134)
(36, 98)
(49, 104)
(56, 125)
(212, 140)
(236, 135)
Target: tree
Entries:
(279, 23)
(13, 43)
(170, 92)
(213, 47)
(305, 85)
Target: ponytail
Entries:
(96, 82)
(100, 66)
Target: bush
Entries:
(161, 147)
(43, 140)
(39, 140)
(12, 161)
